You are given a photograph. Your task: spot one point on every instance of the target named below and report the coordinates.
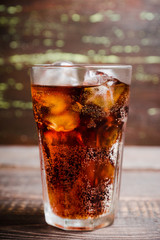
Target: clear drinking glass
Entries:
(81, 113)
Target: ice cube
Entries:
(118, 73)
(59, 75)
(57, 102)
(111, 94)
(120, 95)
(98, 171)
(93, 77)
(101, 91)
(62, 63)
(107, 136)
(65, 122)
(91, 114)
(107, 172)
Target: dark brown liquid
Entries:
(80, 129)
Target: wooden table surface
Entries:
(21, 208)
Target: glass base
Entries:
(78, 224)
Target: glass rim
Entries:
(83, 65)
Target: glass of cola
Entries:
(81, 112)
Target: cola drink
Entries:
(81, 131)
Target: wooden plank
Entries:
(22, 215)
(26, 183)
(135, 220)
(26, 156)
(19, 156)
(141, 184)
(20, 183)
(21, 207)
(138, 157)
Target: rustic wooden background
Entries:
(104, 31)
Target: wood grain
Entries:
(21, 206)
(25, 220)
(134, 157)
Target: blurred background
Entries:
(104, 31)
